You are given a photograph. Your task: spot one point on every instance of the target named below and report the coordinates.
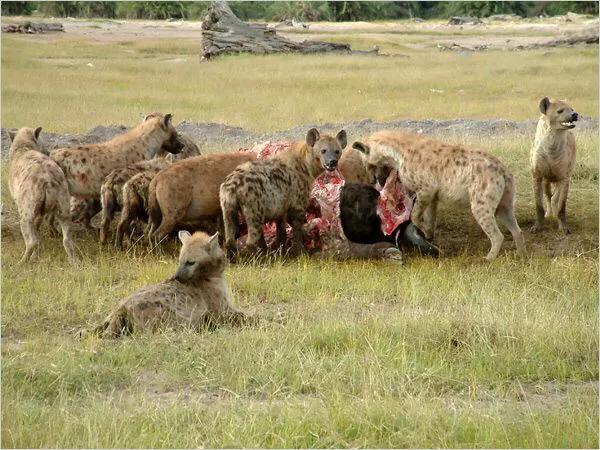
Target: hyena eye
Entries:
(323, 151)
(560, 111)
(189, 263)
(337, 152)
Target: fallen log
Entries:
(589, 36)
(224, 33)
(33, 28)
(464, 20)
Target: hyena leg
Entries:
(295, 219)
(256, 239)
(559, 205)
(506, 214)
(167, 225)
(430, 218)
(548, 197)
(128, 214)
(484, 215)
(539, 206)
(230, 229)
(63, 217)
(281, 233)
(31, 238)
(419, 208)
(65, 226)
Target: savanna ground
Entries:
(441, 352)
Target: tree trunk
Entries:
(223, 33)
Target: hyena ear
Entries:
(184, 236)
(167, 120)
(544, 103)
(342, 139)
(363, 148)
(312, 136)
(213, 241)
(12, 134)
(37, 132)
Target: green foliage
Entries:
(18, 8)
(337, 11)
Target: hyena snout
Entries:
(331, 164)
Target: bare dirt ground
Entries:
(215, 136)
(498, 34)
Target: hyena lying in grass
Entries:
(188, 192)
(434, 170)
(111, 191)
(38, 187)
(277, 188)
(86, 166)
(552, 161)
(195, 296)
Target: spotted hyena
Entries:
(38, 187)
(197, 295)
(86, 166)
(277, 188)
(111, 191)
(188, 191)
(553, 160)
(434, 170)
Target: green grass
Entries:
(452, 352)
(130, 79)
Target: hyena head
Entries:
(559, 115)
(325, 151)
(200, 257)
(162, 124)
(190, 149)
(377, 164)
(26, 137)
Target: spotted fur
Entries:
(38, 187)
(438, 171)
(111, 192)
(86, 166)
(188, 191)
(196, 296)
(552, 161)
(277, 188)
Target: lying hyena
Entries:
(38, 187)
(435, 170)
(188, 191)
(553, 160)
(195, 296)
(111, 196)
(277, 188)
(86, 166)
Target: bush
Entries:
(302, 10)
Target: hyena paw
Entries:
(536, 228)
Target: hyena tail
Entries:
(115, 325)
(230, 208)
(154, 211)
(107, 200)
(505, 212)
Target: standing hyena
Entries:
(196, 295)
(435, 170)
(111, 191)
(86, 166)
(38, 187)
(553, 160)
(277, 188)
